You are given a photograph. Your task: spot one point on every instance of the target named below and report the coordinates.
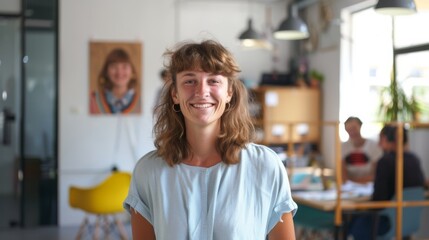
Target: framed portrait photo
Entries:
(115, 77)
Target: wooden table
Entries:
(329, 205)
(323, 206)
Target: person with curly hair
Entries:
(206, 179)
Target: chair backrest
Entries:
(103, 198)
(410, 215)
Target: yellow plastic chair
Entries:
(103, 200)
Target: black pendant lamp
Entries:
(293, 27)
(396, 7)
(249, 36)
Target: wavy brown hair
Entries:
(115, 56)
(236, 124)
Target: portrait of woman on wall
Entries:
(115, 79)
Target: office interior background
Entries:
(52, 141)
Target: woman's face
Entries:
(120, 74)
(202, 96)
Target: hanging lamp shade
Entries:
(249, 36)
(293, 27)
(396, 7)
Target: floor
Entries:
(50, 233)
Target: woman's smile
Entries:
(202, 105)
(201, 95)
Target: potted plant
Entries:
(316, 78)
(396, 106)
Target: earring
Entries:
(175, 109)
(227, 106)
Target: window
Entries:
(374, 48)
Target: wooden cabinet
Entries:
(286, 114)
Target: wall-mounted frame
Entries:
(115, 77)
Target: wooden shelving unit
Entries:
(284, 115)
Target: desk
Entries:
(316, 207)
(321, 206)
(328, 205)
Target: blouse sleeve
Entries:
(138, 194)
(282, 201)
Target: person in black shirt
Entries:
(385, 180)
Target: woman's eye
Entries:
(214, 81)
(189, 81)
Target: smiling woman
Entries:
(205, 164)
(116, 87)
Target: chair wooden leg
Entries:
(82, 228)
(121, 228)
(106, 226)
(96, 234)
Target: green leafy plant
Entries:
(314, 74)
(396, 106)
(316, 78)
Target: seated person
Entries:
(385, 181)
(359, 154)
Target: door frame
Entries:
(20, 15)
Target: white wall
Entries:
(326, 58)
(90, 145)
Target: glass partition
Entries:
(28, 114)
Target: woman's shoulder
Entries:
(260, 154)
(255, 149)
(149, 163)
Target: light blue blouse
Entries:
(222, 202)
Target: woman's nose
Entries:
(201, 89)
